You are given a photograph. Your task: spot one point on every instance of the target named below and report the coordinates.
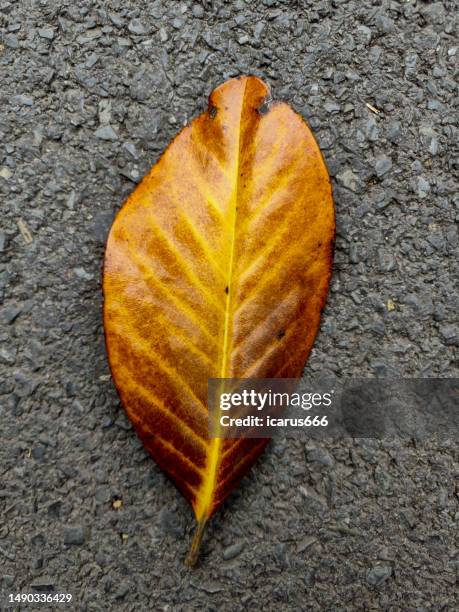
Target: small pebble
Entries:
(11, 313)
(384, 24)
(423, 187)
(348, 179)
(6, 173)
(82, 274)
(7, 580)
(449, 333)
(332, 107)
(378, 574)
(136, 27)
(197, 11)
(122, 591)
(74, 536)
(383, 165)
(106, 132)
(22, 100)
(47, 33)
(11, 41)
(320, 456)
(43, 584)
(233, 551)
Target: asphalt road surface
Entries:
(90, 94)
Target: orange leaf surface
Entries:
(217, 266)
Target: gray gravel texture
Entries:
(91, 92)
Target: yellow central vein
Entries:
(208, 485)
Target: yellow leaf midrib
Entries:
(208, 485)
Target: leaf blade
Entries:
(217, 266)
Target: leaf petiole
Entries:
(193, 555)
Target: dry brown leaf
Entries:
(217, 266)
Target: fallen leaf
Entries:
(217, 266)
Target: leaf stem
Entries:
(193, 555)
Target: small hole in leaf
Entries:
(264, 107)
(226, 290)
(213, 112)
(280, 334)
